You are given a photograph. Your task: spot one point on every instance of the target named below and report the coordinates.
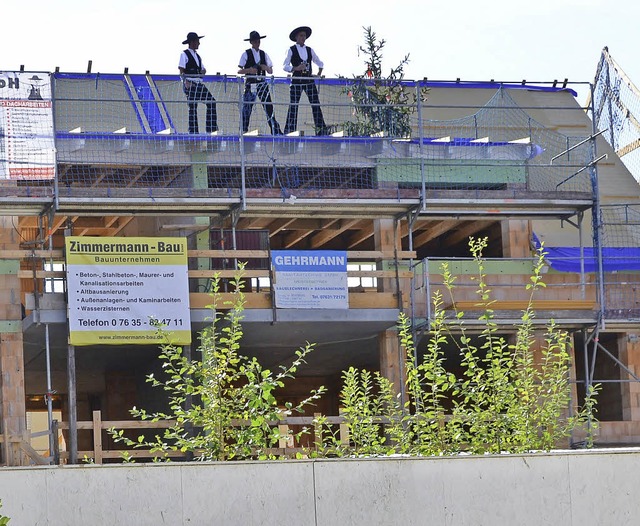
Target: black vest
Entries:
(296, 61)
(251, 62)
(192, 67)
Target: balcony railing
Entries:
(566, 297)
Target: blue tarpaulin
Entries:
(614, 259)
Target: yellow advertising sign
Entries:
(121, 289)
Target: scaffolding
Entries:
(616, 101)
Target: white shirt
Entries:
(182, 63)
(256, 58)
(304, 55)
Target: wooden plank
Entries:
(97, 437)
(26, 254)
(61, 274)
(121, 424)
(522, 305)
(42, 274)
(33, 454)
(254, 300)
(263, 254)
(142, 453)
(262, 300)
(373, 300)
(58, 254)
(228, 273)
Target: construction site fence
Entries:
(96, 433)
(121, 135)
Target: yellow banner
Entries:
(121, 288)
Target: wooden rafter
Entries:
(434, 230)
(142, 170)
(279, 225)
(361, 235)
(298, 235)
(327, 235)
(465, 231)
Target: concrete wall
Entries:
(579, 488)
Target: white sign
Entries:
(121, 289)
(311, 279)
(27, 147)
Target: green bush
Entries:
(223, 403)
(503, 401)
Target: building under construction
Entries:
(395, 189)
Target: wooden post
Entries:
(97, 437)
(283, 442)
(344, 434)
(317, 431)
(629, 354)
(203, 242)
(188, 405)
(391, 357)
(73, 410)
(392, 361)
(56, 443)
(7, 451)
(385, 240)
(515, 238)
(12, 394)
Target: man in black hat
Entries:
(254, 63)
(192, 70)
(299, 63)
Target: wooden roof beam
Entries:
(432, 233)
(327, 235)
(463, 233)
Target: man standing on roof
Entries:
(192, 70)
(299, 63)
(254, 63)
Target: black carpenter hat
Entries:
(294, 33)
(192, 36)
(254, 35)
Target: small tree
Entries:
(380, 104)
(232, 405)
(503, 401)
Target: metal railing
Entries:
(119, 135)
(565, 296)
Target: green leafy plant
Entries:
(368, 402)
(381, 105)
(222, 406)
(4, 520)
(505, 399)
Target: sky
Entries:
(503, 40)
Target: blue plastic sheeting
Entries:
(148, 103)
(89, 76)
(614, 259)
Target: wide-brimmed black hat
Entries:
(192, 36)
(254, 35)
(306, 29)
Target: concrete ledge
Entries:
(578, 488)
